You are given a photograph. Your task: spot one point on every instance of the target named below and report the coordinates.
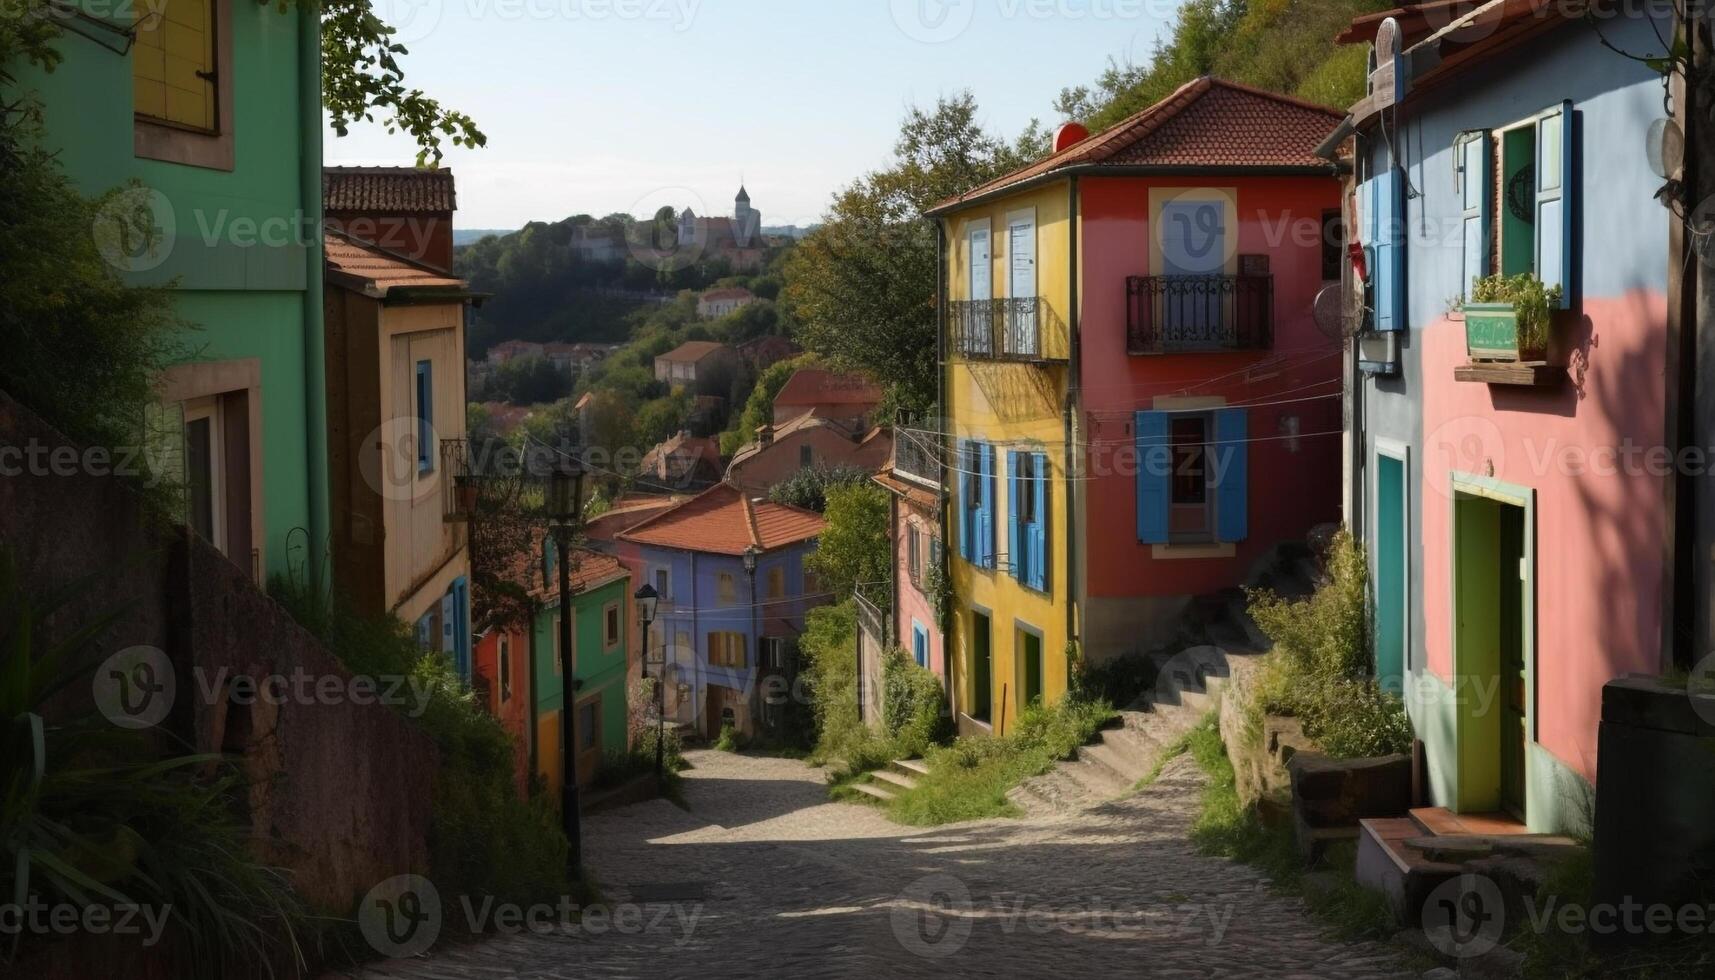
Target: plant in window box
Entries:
(1510, 318)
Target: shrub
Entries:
(728, 740)
(914, 708)
(1319, 670)
(808, 488)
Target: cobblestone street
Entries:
(765, 877)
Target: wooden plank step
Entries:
(1442, 822)
(870, 789)
(897, 779)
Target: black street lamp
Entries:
(565, 507)
(751, 553)
(647, 598)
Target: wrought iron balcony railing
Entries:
(1022, 329)
(916, 457)
(1171, 314)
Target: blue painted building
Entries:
(1517, 556)
(734, 592)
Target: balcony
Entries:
(917, 457)
(458, 487)
(1025, 330)
(1189, 314)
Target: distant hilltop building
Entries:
(738, 239)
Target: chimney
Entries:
(765, 435)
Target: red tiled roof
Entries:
(590, 570)
(723, 520)
(387, 189)
(628, 512)
(1418, 20)
(1207, 123)
(814, 386)
(375, 272)
(692, 350)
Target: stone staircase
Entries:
(1407, 858)
(1216, 638)
(900, 774)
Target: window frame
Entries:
(613, 627)
(169, 142)
(424, 397)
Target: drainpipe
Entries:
(941, 426)
(1074, 378)
(315, 342)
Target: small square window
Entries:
(777, 583)
(727, 587)
(610, 625)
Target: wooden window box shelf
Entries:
(1528, 374)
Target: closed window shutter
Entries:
(1554, 199)
(986, 529)
(1038, 538)
(172, 64)
(961, 455)
(1477, 190)
(1232, 460)
(1388, 266)
(1154, 470)
(1015, 555)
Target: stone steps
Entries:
(870, 789)
(895, 778)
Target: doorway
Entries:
(1029, 667)
(982, 667)
(1390, 537)
(1493, 574)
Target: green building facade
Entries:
(601, 625)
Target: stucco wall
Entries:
(912, 606)
(1598, 561)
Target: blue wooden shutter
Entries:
(1477, 189)
(920, 645)
(962, 503)
(1387, 230)
(1038, 536)
(1232, 492)
(1554, 200)
(461, 626)
(1014, 495)
(985, 486)
(1154, 471)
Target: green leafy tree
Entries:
(862, 287)
(808, 488)
(759, 406)
(663, 418)
(528, 381)
(855, 551)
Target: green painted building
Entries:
(601, 631)
(206, 116)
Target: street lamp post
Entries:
(750, 555)
(647, 598)
(565, 505)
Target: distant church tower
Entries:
(746, 220)
(687, 227)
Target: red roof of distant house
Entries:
(590, 570)
(375, 272)
(814, 386)
(731, 292)
(707, 448)
(505, 416)
(1209, 123)
(692, 350)
(387, 189)
(724, 520)
(628, 512)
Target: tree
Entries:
(808, 488)
(759, 407)
(855, 553)
(528, 381)
(663, 418)
(862, 287)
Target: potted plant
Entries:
(1508, 318)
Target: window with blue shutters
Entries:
(1193, 477)
(1534, 212)
(425, 416)
(986, 512)
(1027, 524)
(1554, 199)
(919, 644)
(976, 503)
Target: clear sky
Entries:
(625, 105)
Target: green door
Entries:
(1030, 663)
(1390, 550)
(982, 667)
(1512, 672)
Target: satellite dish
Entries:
(1386, 82)
(1338, 313)
(1665, 145)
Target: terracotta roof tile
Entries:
(591, 570)
(724, 521)
(692, 350)
(814, 386)
(375, 271)
(387, 189)
(1208, 122)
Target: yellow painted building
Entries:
(1007, 348)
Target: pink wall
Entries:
(913, 604)
(1292, 488)
(1599, 519)
(514, 712)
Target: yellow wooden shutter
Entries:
(172, 63)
